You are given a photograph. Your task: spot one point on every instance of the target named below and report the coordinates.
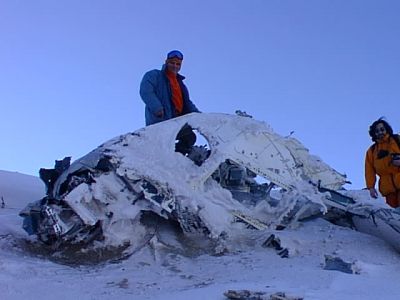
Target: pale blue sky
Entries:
(70, 71)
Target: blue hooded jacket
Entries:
(155, 91)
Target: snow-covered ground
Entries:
(160, 272)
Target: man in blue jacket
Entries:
(164, 92)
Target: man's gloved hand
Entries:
(373, 193)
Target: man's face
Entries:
(174, 65)
(380, 131)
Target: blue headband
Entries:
(175, 53)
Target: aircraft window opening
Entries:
(192, 144)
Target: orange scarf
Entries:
(177, 99)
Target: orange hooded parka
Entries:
(378, 161)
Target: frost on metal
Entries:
(211, 174)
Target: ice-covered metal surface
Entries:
(207, 189)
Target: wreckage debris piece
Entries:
(115, 175)
(254, 295)
(245, 295)
(252, 222)
(49, 176)
(274, 242)
(283, 296)
(271, 242)
(284, 253)
(338, 264)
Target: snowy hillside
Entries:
(14, 187)
(160, 272)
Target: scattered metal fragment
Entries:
(274, 242)
(255, 295)
(338, 264)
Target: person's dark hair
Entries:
(381, 120)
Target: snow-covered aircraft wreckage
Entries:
(244, 176)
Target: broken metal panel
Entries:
(86, 163)
(382, 223)
(337, 264)
(317, 171)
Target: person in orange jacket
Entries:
(383, 159)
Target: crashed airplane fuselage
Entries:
(244, 175)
